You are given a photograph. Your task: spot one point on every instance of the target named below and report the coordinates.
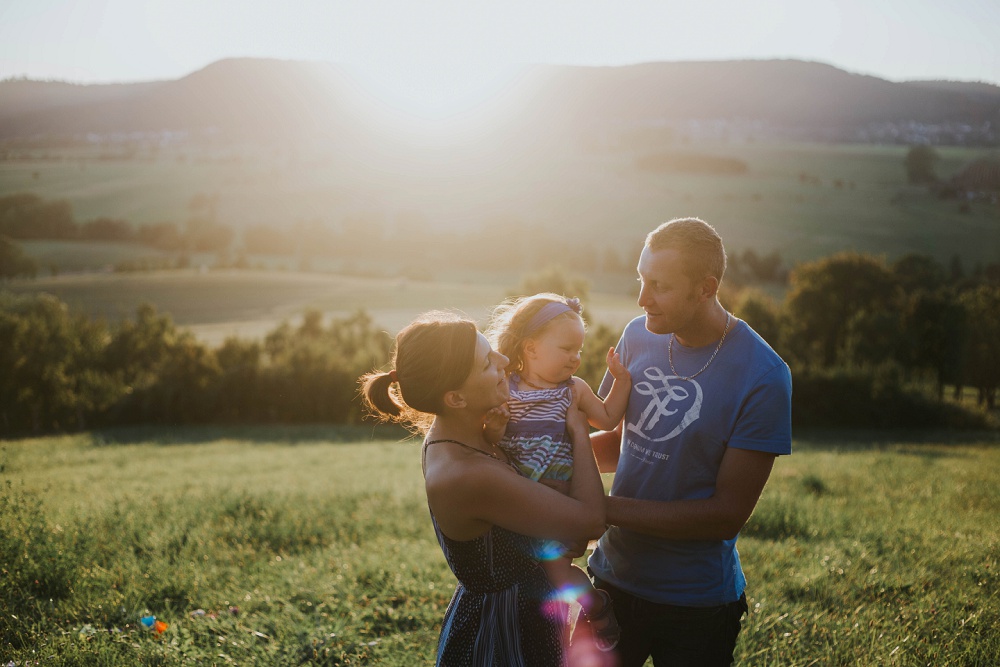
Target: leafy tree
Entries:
(934, 325)
(139, 349)
(48, 378)
(13, 261)
(185, 390)
(28, 216)
(239, 397)
(915, 272)
(823, 298)
(872, 338)
(106, 229)
(161, 235)
(761, 312)
(982, 367)
(919, 164)
(312, 371)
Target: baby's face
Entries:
(555, 355)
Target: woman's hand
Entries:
(496, 423)
(576, 424)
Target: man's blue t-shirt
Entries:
(674, 435)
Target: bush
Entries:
(870, 398)
(61, 372)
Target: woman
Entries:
(446, 381)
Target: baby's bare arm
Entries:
(606, 414)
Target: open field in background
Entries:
(864, 550)
(249, 304)
(598, 194)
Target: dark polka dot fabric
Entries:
(502, 613)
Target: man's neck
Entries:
(705, 329)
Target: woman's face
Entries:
(486, 387)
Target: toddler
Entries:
(542, 335)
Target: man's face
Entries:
(668, 294)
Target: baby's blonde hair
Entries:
(512, 324)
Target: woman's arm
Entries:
(469, 497)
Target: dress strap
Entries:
(456, 442)
(427, 443)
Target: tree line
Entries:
(63, 372)
(869, 344)
(865, 339)
(27, 216)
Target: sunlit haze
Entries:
(437, 57)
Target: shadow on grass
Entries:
(289, 434)
(911, 441)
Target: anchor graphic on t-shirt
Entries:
(660, 398)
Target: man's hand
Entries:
(575, 549)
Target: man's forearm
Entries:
(607, 446)
(742, 476)
(704, 519)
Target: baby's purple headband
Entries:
(551, 310)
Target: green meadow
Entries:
(313, 546)
(803, 200)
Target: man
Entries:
(709, 410)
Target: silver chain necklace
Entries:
(670, 352)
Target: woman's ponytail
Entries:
(376, 388)
(433, 355)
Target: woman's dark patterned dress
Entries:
(498, 614)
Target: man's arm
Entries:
(607, 447)
(742, 476)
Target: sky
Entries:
(440, 53)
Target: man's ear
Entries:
(454, 399)
(709, 288)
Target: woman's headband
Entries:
(549, 311)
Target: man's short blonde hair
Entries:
(697, 242)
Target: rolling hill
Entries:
(302, 101)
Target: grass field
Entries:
(602, 196)
(863, 551)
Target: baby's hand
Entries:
(617, 368)
(496, 423)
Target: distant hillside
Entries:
(246, 98)
(242, 98)
(783, 92)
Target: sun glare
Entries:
(434, 93)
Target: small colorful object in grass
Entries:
(150, 623)
(198, 612)
(235, 611)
